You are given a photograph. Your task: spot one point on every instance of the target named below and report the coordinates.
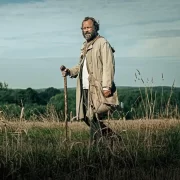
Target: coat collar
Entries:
(89, 45)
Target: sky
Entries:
(38, 36)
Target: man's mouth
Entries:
(88, 34)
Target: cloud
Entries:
(165, 33)
(29, 28)
(45, 34)
(5, 2)
(36, 25)
(157, 47)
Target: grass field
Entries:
(149, 149)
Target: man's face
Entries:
(88, 30)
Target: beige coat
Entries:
(101, 68)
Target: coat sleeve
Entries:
(74, 71)
(108, 65)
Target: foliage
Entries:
(3, 85)
(139, 102)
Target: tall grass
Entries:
(147, 105)
(147, 149)
(38, 150)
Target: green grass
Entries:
(39, 151)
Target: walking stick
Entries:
(62, 68)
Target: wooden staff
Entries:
(62, 68)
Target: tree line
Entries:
(135, 103)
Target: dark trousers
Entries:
(97, 128)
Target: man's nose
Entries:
(85, 32)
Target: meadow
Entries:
(149, 149)
(34, 143)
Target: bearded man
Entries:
(96, 92)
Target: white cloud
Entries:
(51, 28)
(52, 23)
(159, 47)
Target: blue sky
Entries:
(37, 37)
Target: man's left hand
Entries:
(106, 93)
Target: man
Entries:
(96, 92)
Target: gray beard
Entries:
(90, 37)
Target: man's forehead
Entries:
(89, 21)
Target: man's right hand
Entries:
(65, 72)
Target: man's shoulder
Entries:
(102, 39)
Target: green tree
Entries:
(58, 102)
(46, 95)
(3, 85)
(31, 96)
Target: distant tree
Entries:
(31, 96)
(20, 97)
(52, 91)
(58, 102)
(46, 95)
(3, 85)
